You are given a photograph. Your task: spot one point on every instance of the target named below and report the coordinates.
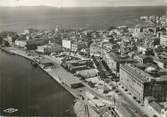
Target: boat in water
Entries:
(35, 64)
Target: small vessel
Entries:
(35, 64)
(10, 110)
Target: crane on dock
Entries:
(87, 110)
(83, 110)
(66, 58)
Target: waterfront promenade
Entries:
(30, 90)
(60, 75)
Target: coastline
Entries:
(19, 24)
(78, 102)
(11, 52)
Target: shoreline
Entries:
(10, 52)
(29, 59)
(14, 51)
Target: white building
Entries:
(21, 43)
(163, 40)
(44, 49)
(41, 49)
(26, 32)
(142, 49)
(66, 44)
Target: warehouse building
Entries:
(88, 73)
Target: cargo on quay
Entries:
(13, 51)
(31, 85)
(54, 74)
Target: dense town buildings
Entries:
(114, 60)
(137, 56)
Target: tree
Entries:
(155, 116)
(31, 46)
(111, 28)
(15, 37)
(91, 84)
(6, 43)
(149, 52)
(112, 39)
(1, 40)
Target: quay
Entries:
(70, 83)
(64, 78)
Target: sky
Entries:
(82, 3)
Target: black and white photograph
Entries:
(83, 58)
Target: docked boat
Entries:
(35, 64)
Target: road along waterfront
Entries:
(59, 74)
(30, 90)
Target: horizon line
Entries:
(84, 6)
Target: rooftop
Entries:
(139, 74)
(138, 71)
(119, 58)
(162, 78)
(157, 107)
(45, 61)
(66, 77)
